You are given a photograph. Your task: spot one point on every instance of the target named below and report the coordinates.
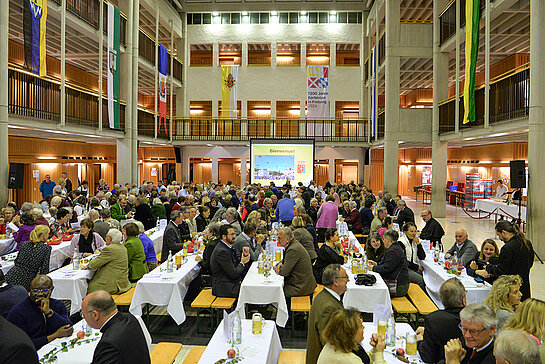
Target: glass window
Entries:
(254, 18)
(226, 18)
(322, 18)
(294, 18)
(352, 18)
(342, 18)
(264, 18)
(235, 18)
(189, 19)
(207, 18)
(283, 18)
(313, 18)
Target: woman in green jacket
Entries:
(135, 252)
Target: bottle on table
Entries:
(75, 261)
(236, 331)
(158, 225)
(170, 263)
(391, 332)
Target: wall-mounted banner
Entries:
(229, 86)
(317, 100)
(114, 54)
(34, 21)
(162, 88)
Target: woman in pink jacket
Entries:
(327, 217)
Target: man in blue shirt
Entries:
(284, 210)
(46, 187)
(43, 318)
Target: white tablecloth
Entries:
(435, 275)
(165, 289)
(71, 285)
(7, 245)
(488, 205)
(401, 331)
(157, 238)
(80, 353)
(257, 289)
(255, 349)
(58, 254)
(8, 263)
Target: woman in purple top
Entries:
(149, 249)
(27, 225)
(327, 217)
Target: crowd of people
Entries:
(236, 223)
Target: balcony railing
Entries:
(447, 19)
(509, 99)
(146, 125)
(381, 49)
(215, 129)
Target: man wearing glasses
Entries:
(478, 326)
(43, 318)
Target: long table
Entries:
(500, 208)
(59, 253)
(71, 285)
(389, 353)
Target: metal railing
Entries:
(447, 19)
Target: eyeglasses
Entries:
(43, 291)
(471, 332)
(82, 314)
(345, 277)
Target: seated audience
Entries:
(432, 231)
(464, 249)
(301, 234)
(190, 220)
(404, 213)
(15, 345)
(295, 266)
(326, 302)
(135, 252)
(158, 210)
(228, 270)
(367, 216)
(329, 253)
(515, 347)
(185, 233)
(149, 248)
(60, 226)
(172, 240)
(354, 218)
(377, 221)
(10, 295)
(232, 218)
(122, 340)
(142, 213)
(414, 252)
(111, 265)
(43, 318)
(530, 318)
(27, 225)
(393, 265)
(203, 219)
(343, 335)
(204, 263)
(106, 216)
(374, 248)
(309, 225)
(504, 297)
(100, 227)
(33, 258)
(38, 214)
(387, 224)
(249, 238)
(489, 254)
(120, 210)
(87, 242)
(442, 325)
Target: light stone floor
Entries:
(478, 231)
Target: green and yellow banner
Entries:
(472, 47)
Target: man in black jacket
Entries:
(172, 240)
(442, 325)
(123, 340)
(15, 345)
(404, 215)
(432, 231)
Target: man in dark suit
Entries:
(354, 219)
(405, 214)
(185, 233)
(228, 270)
(442, 325)
(123, 340)
(15, 345)
(326, 302)
(432, 231)
(67, 181)
(250, 239)
(172, 241)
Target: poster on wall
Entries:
(317, 99)
(426, 176)
(153, 172)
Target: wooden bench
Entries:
(165, 353)
(292, 357)
(319, 288)
(423, 304)
(300, 304)
(203, 302)
(403, 307)
(125, 298)
(194, 355)
(222, 303)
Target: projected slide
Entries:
(280, 161)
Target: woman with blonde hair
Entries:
(530, 318)
(504, 297)
(33, 258)
(489, 254)
(343, 335)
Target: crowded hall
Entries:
(182, 181)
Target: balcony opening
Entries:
(259, 54)
(200, 113)
(259, 122)
(288, 54)
(230, 54)
(201, 55)
(318, 54)
(348, 54)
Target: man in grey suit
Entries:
(326, 302)
(250, 239)
(172, 240)
(464, 248)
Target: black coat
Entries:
(145, 216)
(405, 215)
(391, 206)
(485, 356)
(15, 345)
(439, 327)
(471, 272)
(366, 218)
(432, 231)
(394, 264)
(185, 234)
(326, 256)
(122, 342)
(227, 271)
(202, 223)
(207, 256)
(172, 241)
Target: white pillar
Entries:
(332, 171)
(4, 159)
(303, 55)
(333, 54)
(215, 54)
(273, 54)
(215, 174)
(244, 59)
(100, 60)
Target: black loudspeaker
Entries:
(16, 175)
(178, 153)
(367, 156)
(518, 174)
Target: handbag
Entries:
(365, 279)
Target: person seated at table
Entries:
(111, 265)
(413, 252)
(343, 335)
(464, 248)
(203, 218)
(123, 339)
(387, 224)
(329, 253)
(120, 210)
(295, 266)
(204, 262)
(367, 216)
(250, 239)
(504, 297)
(43, 318)
(39, 216)
(190, 220)
(377, 221)
(172, 239)
(228, 270)
(516, 347)
(158, 210)
(301, 234)
(530, 318)
(15, 345)
(27, 225)
(60, 225)
(374, 247)
(185, 233)
(478, 325)
(404, 213)
(149, 248)
(80, 206)
(135, 252)
(87, 242)
(354, 218)
(393, 266)
(442, 325)
(489, 254)
(432, 231)
(32, 259)
(10, 295)
(100, 227)
(232, 218)
(8, 213)
(106, 216)
(334, 279)
(143, 213)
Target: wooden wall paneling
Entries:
(321, 173)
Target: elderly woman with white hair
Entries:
(149, 249)
(102, 186)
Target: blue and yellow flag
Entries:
(34, 21)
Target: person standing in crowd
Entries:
(367, 216)
(432, 231)
(284, 210)
(68, 185)
(327, 217)
(46, 187)
(501, 190)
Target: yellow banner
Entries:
(229, 83)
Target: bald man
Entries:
(122, 338)
(464, 248)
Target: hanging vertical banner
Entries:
(374, 98)
(318, 92)
(229, 85)
(471, 49)
(114, 20)
(34, 21)
(162, 88)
